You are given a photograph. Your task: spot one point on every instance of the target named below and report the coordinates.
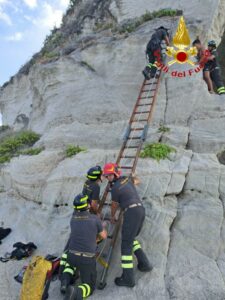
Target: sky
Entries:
(24, 25)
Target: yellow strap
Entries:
(102, 262)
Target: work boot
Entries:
(143, 262)
(126, 279)
(73, 293)
(65, 282)
(153, 71)
(146, 73)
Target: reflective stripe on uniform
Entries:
(86, 289)
(149, 65)
(127, 257)
(63, 259)
(96, 172)
(136, 246)
(127, 261)
(127, 266)
(69, 269)
(221, 89)
(92, 177)
(81, 206)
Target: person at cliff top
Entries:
(214, 68)
(80, 251)
(154, 51)
(91, 187)
(208, 58)
(202, 58)
(125, 196)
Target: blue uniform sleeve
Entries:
(115, 195)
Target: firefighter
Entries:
(92, 188)
(125, 196)
(214, 68)
(81, 251)
(202, 60)
(154, 51)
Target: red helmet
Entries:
(111, 168)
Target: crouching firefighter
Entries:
(81, 250)
(125, 196)
(91, 187)
(154, 51)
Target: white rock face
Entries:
(86, 99)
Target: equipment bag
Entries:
(38, 276)
(34, 279)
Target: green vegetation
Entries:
(32, 151)
(72, 150)
(132, 24)
(4, 128)
(104, 26)
(157, 151)
(54, 39)
(10, 146)
(163, 129)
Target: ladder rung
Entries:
(128, 156)
(141, 112)
(155, 82)
(146, 104)
(146, 97)
(141, 120)
(146, 91)
(138, 128)
(126, 167)
(134, 138)
(131, 147)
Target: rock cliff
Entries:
(84, 95)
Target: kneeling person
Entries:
(81, 250)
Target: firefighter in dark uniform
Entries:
(208, 60)
(214, 68)
(81, 250)
(92, 188)
(153, 51)
(125, 196)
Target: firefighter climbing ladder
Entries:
(127, 159)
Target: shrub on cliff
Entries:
(157, 151)
(11, 146)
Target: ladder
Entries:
(127, 159)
